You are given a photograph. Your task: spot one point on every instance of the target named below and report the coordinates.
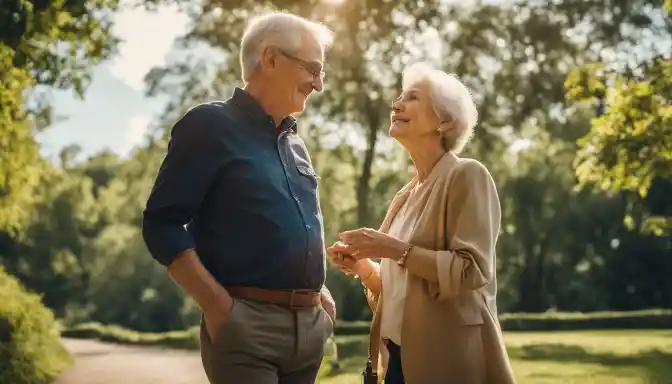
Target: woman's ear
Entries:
(447, 127)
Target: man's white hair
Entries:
(451, 100)
(279, 29)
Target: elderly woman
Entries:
(433, 292)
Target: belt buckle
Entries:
(293, 295)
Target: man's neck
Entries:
(259, 93)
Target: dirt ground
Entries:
(101, 363)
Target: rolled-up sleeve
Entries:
(472, 227)
(193, 160)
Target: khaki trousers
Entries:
(266, 344)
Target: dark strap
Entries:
(374, 338)
(297, 299)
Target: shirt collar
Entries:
(253, 109)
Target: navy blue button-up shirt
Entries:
(247, 193)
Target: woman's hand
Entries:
(339, 255)
(367, 243)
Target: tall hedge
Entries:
(559, 321)
(30, 345)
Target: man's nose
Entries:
(318, 84)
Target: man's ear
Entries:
(269, 57)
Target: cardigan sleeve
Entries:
(472, 225)
(371, 299)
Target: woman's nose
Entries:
(396, 106)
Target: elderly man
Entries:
(239, 177)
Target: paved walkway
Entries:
(102, 363)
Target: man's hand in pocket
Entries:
(328, 304)
(217, 316)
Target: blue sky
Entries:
(114, 113)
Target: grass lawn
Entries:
(586, 357)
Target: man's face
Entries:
(297, 74)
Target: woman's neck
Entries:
(424, 158)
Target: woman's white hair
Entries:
(279, 29)
(451, 100)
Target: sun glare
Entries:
(336, 2)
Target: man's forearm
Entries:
(190, 274)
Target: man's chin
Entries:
(299, 108)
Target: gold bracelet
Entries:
(402, 259)
(367, 276)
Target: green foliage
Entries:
(557, 321)
(630, 145)
(19, 156)
(30, 348)
(566, 321)
(560, 248)
(80, 29)
(82, 248)
(42, 43)
(49, 255)
(519, 322)
(187, 339)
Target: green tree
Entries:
(49, 255)
(561, 248)
(366, 50)
(43, 44)
(629, 145)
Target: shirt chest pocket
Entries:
(307, 178)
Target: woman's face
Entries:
(413, 116)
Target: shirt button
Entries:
(297, 199)
(310, 254)
(307, 226)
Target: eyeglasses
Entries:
(313, 69)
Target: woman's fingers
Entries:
(338, 247)
(345, 263)
(359, 253)
(337, 258)
(340, 259)
(348, 236)
(345, 256)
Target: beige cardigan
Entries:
(450, 331)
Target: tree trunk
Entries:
(364, 181)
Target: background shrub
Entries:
(30, 346)
(559, 321)
(186, 339)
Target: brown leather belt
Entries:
(297, 299)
